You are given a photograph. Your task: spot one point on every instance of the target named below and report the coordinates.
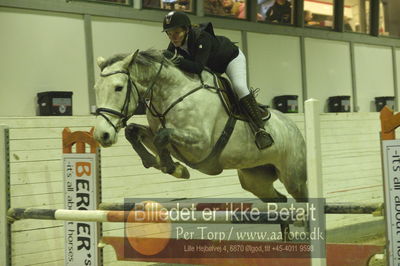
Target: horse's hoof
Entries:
(181, 172)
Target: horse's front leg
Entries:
(137, 135)
(178, 138)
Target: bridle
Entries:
(123, 114)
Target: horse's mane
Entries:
(148, 57)
(144, 58)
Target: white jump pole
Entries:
(5, 258)
(314, 172)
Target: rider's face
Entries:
(177, 36)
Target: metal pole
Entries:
(199, 8)
(330, 208)
(87, 19)
(5, 228)
(353, 77)
(395, 81)
(374, 22)
(338, 15)
(303, 70)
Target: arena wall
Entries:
(63, 47)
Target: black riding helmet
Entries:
(175, 19)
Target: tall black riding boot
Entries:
(250, 106)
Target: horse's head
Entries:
(117, 97)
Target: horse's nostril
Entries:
(106, 136)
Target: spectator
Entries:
(235, 9)
(151, 3)
(183, 5)
(280, 12)
(347, 25)
(308, 19)
(214, 7)
(262, 7)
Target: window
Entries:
(356, 16)
(318, 13)
(226, 8)
(275, 11)
(180, 5)
(389, 18)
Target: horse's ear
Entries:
(128, 61)
(100, 61)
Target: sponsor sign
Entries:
(391, 172)
(80, 187)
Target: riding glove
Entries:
(173, 57)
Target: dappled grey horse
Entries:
(187, 119)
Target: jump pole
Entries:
(314, 174)
(5, 227)
(181, 217)
(374, 209)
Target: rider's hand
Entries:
(168, 54)
(173, 57)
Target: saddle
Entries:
(231, 102)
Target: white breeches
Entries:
(236, 72)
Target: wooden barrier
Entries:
(389, 123)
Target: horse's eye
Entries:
(118, 88)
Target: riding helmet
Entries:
(175, 19)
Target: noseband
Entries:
(123, 114)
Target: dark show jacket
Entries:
(205, 50)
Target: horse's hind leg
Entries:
(295, 183)
(136, 134)
(259, 181)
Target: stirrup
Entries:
(263, 139)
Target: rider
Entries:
(194, 48)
